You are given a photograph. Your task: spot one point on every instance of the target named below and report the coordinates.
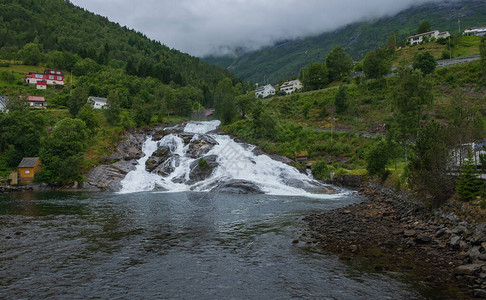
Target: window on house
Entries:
(27, 171)
(51, 77)
(59, 78)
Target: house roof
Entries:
(28, 162)
(97, 99)
(290, 83)
(36, 99)
(263, 88)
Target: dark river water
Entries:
(173, 246)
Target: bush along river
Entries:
(184, 213)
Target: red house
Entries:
(50, 76)
(41, 85)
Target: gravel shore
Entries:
(442, 256)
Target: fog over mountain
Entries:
(204, 27)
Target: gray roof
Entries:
(28, 162)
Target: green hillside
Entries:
(145, 83)
(57, 26)
(286, 59)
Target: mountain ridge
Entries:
(285, 60)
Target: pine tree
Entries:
(469, 185)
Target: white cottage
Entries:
(3, 103)
(265, 91)
(97, 102)
(291, 86)
(419, 38)
(475, 31)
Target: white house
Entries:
(291, 86)
(265, 91)
(97, 102)
(419, 38)
(475, 31)
(3, 103)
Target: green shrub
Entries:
(320, 170)
(202, 163)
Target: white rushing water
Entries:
(235, 162)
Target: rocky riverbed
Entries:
(390, 232)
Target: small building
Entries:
(475, 31)
(420, 38)
(50, 76)
(265, 91)
(97, 102)
(28, 167)
(37, 102)
(41, 85)
(291, 86)
(3, 103)
(301, 157)
(13, 178)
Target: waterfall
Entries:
(235, 161)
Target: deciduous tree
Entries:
(425, 62)
(410, 95)
(339, 64)
(376, 64)
(62, 151)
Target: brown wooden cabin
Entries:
(28, 167)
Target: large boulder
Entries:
(130, 148)
(158, 157)
(479, 234)
(201, 146)
(202, 168)
(236, 186)
(168, 166)
(109, 177)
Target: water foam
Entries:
(235, 162)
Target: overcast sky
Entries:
(202, 27)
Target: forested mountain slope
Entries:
(286, 58)
(58, 25)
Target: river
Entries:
(190, 245)
(170, 237)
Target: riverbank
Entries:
(395, 234)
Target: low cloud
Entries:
(205, 27)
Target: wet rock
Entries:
(470, 269)
(161, 155)
(440, 233)
(106, 177)
(202, 169)
(479, 234)
(131, 147)
(409, 233)
(236, 186)
(474, 253)
(463, 245)
(168, 166)
(186, 137)
(479, 293)
(423, 239)
(455, 240)
(201, 146)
